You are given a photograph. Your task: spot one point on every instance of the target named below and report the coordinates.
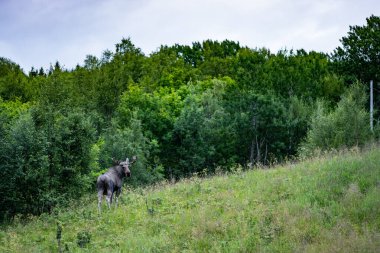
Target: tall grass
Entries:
(327, 204)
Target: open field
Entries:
(327, 204)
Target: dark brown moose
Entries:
(112, 181)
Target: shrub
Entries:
(122, 142)
(45, 161)
(83, 238)
(346, 126)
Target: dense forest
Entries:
(183, 109)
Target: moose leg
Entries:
(100, 197)
(117, 196)
(110, 190)
(109, 198)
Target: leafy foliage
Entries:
(44, 165)
(120, 142)
(347, 125)
(202, 131)
(13, 82)
(184, 109)
(359, 55)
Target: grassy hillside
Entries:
(328, 204)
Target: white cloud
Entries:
(39, 32)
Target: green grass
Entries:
(327, 204)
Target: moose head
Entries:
(125, 165)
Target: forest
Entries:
(182, 110)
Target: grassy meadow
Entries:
(325, 204)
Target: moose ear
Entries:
(115, 162)
(134, 158)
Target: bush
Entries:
(45, 161)
(120, 143)
(346, 126)
(83, 238)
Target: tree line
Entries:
(183, 109)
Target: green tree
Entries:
(56, 89)
(13, 81)
(297, 117)
(288, 73)
(24, 169)
(166, 68)
(219, 58)
(91, 62)
(157, 113)
(262, 128)
(45, 160)
(359, 56)
(192, 55)
(123, 68)
(9, 111)
(203, 135)
(122, 142)
(346, 126)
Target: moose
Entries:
(111, 181)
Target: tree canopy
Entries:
(359, 55)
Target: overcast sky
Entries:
(40, 32)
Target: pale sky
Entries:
(40, 32)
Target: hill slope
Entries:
(328, 204)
